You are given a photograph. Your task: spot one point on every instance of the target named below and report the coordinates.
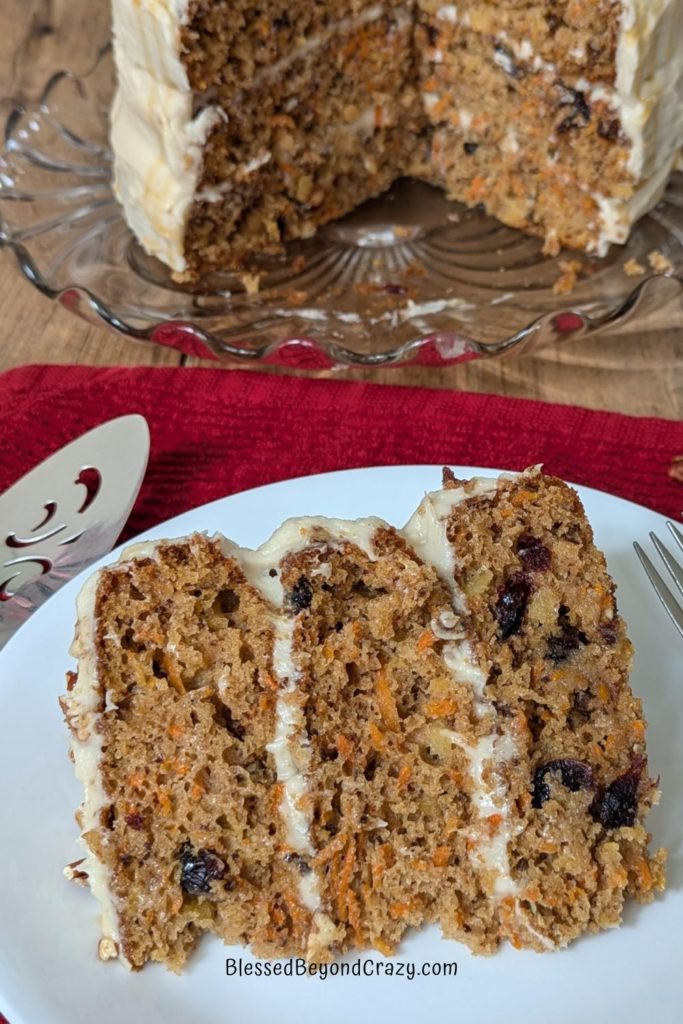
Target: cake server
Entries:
(66, 513)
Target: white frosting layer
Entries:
(83, 708)
(290, 747)
(649, 101)
(157, 142)
(427, 532)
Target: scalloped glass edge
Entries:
(431, 349)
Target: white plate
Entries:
(49, 972)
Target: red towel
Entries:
(216, 433)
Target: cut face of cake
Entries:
(236, 129)
(356, 730)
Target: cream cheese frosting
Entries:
(649, 100)
(157, 142)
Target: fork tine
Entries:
(676, 533)
(662, 591)
(669, 561)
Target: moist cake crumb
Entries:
(238, 129)
(356, 730)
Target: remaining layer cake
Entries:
(238, 128)
(355, 730)
(564, 119)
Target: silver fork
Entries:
(673, 604)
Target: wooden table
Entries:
(640, 371)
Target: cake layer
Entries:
(171, 714)
(541, 611)
(392, 802)
(570, 144)
(354, 730)
(536, 150)
(320, 122)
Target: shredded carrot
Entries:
(441, 856)
(398, 910)
(644, 874)
(327, 853)
(170, 667)
(197, 791)
(164, 801)
(603, 692)
(265, 702)
(175, 731)
(493, 822)
(276, 796)
(136, 780)
(344, 746)
(269, 681)
(452, 824)
(387, 704)
(328, 653)
(425, 640)
(354, 916)
(404, 776)
(440, 708)
(278, 916)
(402, 907)
(638, 728)
(522, 497)
(345, 881)
(377, 738)
(385, 948)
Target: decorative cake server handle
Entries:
(67, 513)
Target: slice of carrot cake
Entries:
(355, 730)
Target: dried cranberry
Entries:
(575, 99)
(608, 632)
(568, 640)
(199, 869)
(533, 553)
(300, 596)
(513, 597)
(299, 862)
(394, 289)
(609, 130)
(135, 821)
(575, 775)
(617, 804)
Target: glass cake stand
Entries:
(407, 278)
